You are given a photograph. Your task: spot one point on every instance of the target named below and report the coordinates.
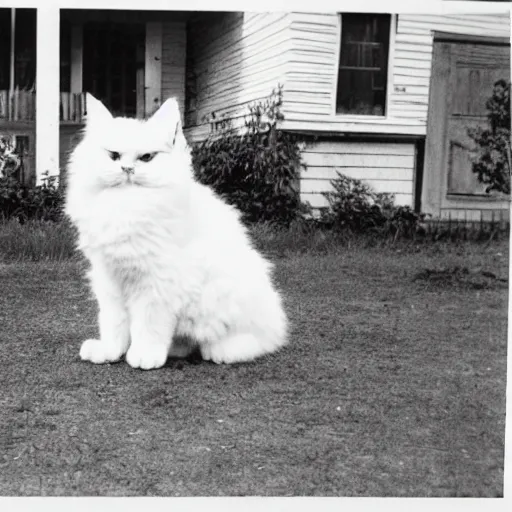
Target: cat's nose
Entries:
(127, 170)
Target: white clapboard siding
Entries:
(174, 41)
(318, 200)
(311, 74)
(391, 186)
(219, 85)
(253, 50)
(366, 174)
(236, 59)
(361, 148)
(386, 167)
(349, 160)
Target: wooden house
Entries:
(387, 98)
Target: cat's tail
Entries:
(239, 348)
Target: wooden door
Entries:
(474, 69)
(463, 76)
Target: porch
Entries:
(18, 122)
(17, 85)
(131, 60)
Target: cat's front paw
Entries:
(147, 357)
(99, 352)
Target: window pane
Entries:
(363, 65)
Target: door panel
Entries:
(474, 69)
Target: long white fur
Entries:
(169, 259)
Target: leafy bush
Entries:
(257, 170)
(493, 156)
(356, 208)
(23, 203)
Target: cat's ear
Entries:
(169, 118)
(96, 112)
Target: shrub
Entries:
(492, 163)
(257, 170)
(23, 203)
(355, 208)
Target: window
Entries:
(363, 64)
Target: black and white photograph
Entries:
(250, 252)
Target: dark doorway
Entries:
(112, 54)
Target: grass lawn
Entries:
(393, 385)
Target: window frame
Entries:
(389, 79)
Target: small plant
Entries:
(10, 162)
(355, 207)
(257, 170)
(493, 163)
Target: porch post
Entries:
(153, 75)
(47, 91)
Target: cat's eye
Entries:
(114, 155)
(147, 157)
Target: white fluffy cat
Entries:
(169, 259)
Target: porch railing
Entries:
(20, 105)
(17, 105)
(72, 107)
